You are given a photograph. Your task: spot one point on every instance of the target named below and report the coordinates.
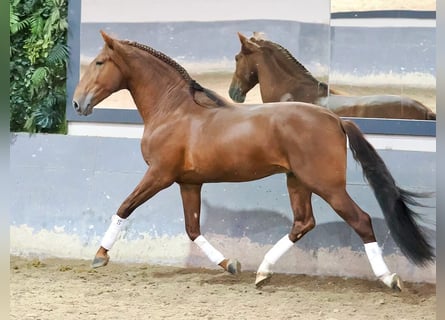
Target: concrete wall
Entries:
(65, 189)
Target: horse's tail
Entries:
(430, 115)
(393, 200)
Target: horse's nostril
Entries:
(76, 105)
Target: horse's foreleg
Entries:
(300, 198)
(101, 258)
(191, 200)
(360, 221)
(147, 188)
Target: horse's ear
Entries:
(242, 38)
(108, 40)
(246, 44)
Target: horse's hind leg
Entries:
(360, 221)
(191, 201)
(300, 199)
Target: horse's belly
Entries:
(226, 173)
(234, 160)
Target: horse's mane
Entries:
(195, 87)
(287, 55)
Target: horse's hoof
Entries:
(262, 278)
(100, 262)
(393, 281)
(396, 283)
(233, 266)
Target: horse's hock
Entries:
(69, 215)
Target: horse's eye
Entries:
(99, 63)
(237, 58)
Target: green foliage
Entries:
(38, 62)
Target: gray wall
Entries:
(65, 188)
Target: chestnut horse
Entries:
(283, 78)
(192, 136)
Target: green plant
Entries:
(38, 62)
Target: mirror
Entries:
(382, 48)
(364, 48)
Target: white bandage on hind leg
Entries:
(113, 232)
(375, 258)
(275, 253)
(214, 255)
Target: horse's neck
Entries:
(295, 83)
(151, 86)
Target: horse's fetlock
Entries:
(193, 234)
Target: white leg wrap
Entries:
(375, 257)
(113, 232)
(214, 255)
(275, 253)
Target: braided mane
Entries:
(194, 86)
(163, 57)
(287, 55)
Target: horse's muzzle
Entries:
(76, 106)
(82, 111)
(236, 94)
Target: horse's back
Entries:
(308, 126)
(296, 123)
(378, 106)
(300, 114)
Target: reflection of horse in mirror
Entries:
(192, 136)
(282, 78)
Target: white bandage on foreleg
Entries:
(275, 253)
(113, 232)
(214, 255)
(375, 258)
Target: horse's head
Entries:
(101, 79)
(245, 76)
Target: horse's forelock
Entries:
(257, 35)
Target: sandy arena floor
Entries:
(69, 289)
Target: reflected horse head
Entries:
(245, 76)
(281, 77)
